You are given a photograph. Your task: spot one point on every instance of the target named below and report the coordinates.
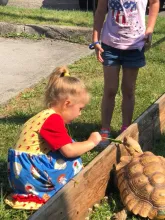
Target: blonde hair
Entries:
(62, 86)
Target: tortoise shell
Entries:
(141, 182)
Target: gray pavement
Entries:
(25, 62)
(162, 13)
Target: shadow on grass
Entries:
(4, 184)
(81, 131)
(43, 19)
(15, 119)
(158, 42)
(33, 17)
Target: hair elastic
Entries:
(66, 74)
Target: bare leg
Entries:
(128, 91)
(111, 83)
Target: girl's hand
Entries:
(95, 137)
(148, 40)
(99, 51)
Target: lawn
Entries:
(45, 16)
(150, 85)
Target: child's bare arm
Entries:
(99, 19)
(76, 149)
(153, 13)
(98, 25)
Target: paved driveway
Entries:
(162, 13)
(25, 62)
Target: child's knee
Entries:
(111, 92)
(128, 92)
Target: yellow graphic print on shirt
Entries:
(30, 140)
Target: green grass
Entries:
(150, 86)
(44, 16)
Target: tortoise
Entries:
(141, 182)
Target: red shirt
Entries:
(54, 132)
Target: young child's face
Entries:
(72, 111)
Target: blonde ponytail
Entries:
(62, 86)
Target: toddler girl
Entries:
(44, 157)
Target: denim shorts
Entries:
(126, 58)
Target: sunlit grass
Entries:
(45, 16)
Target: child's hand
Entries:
(148, 41)
(99, 51)
(95, 137)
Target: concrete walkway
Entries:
(25, 62)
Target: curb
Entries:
(80, 35)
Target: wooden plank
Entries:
(89, 186)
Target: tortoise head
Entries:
(132, 145)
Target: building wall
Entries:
(55, 4)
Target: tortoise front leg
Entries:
(122, 215)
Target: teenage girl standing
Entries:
(123, 37)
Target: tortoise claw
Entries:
(122, 215)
